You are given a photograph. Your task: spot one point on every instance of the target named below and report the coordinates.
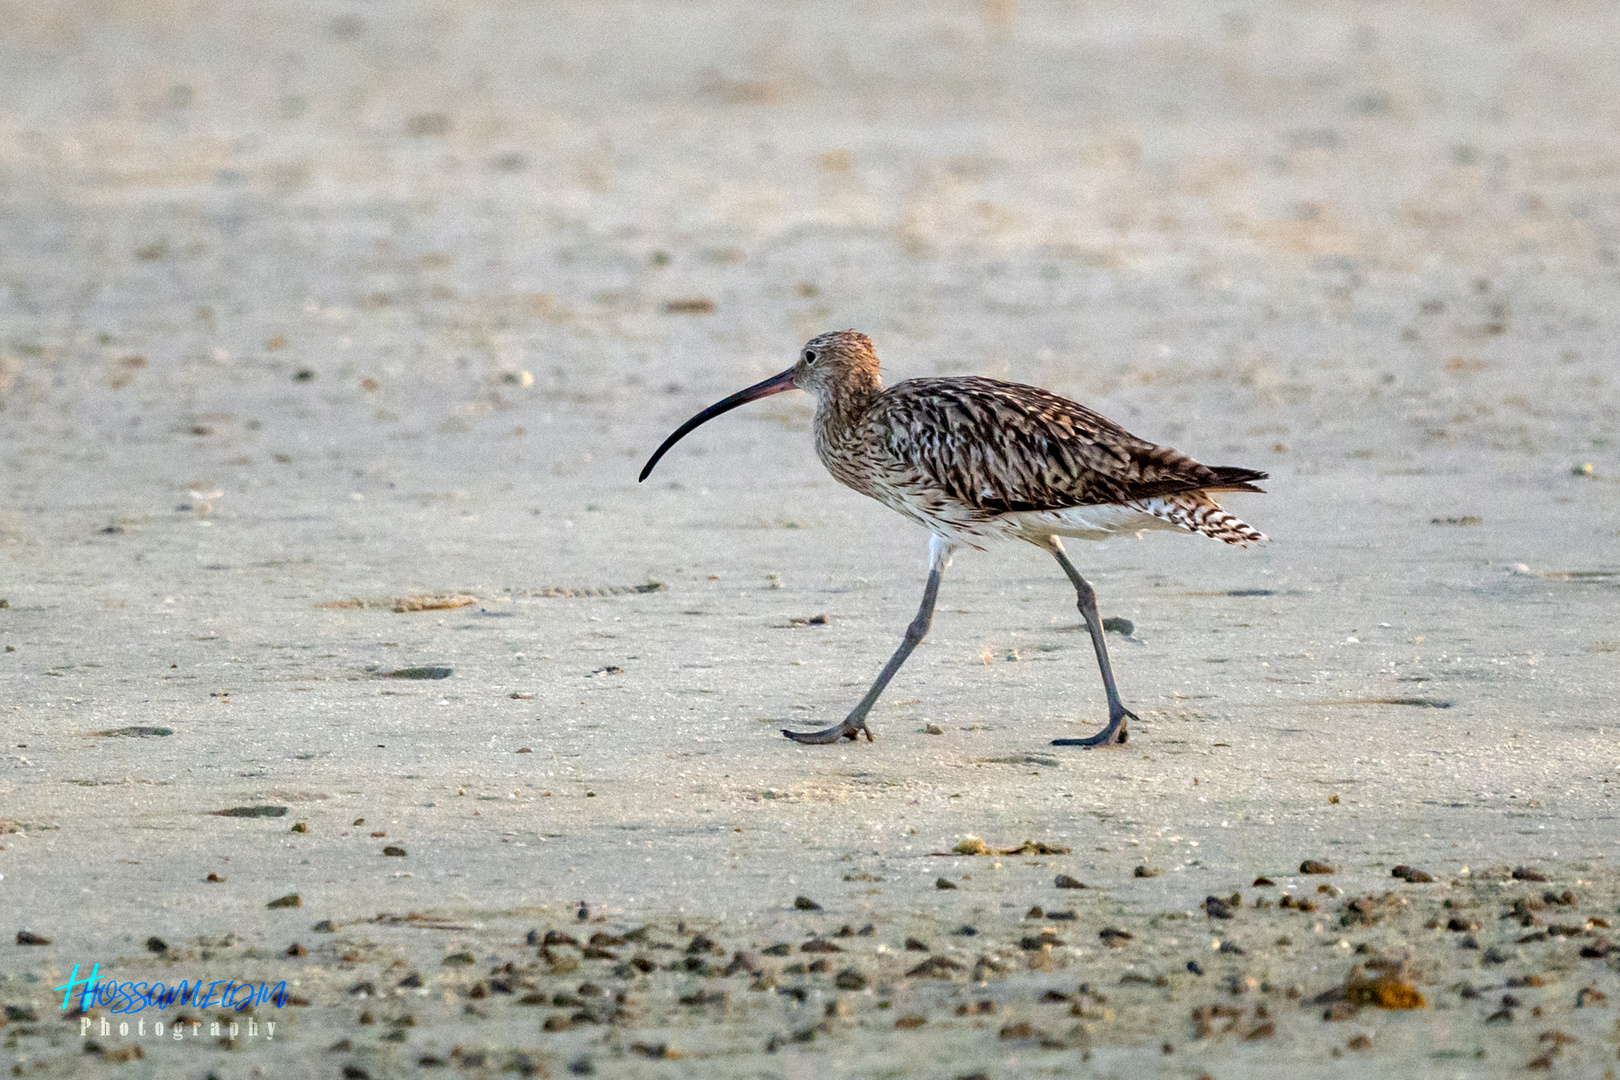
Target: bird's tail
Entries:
(1236, 478)
(1197, 512)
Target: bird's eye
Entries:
(809, 356)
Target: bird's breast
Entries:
(847, 465)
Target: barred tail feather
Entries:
(1197, 512)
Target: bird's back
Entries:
(972, 452)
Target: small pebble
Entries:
(1311, 866)
(1064, 881)
(156, 945)
(935, 967)
(944, 883)
(804, 903)
(1340, 1011)
(743, 962)
(696, 305)
(426, 672)
(1387, 991)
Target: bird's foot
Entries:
(1114, 734)
(849, 729)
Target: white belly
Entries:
(960, 525)
(1081, 522)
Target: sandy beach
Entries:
(340, 648)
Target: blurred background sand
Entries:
(309, 308)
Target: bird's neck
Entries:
(838, 430)
(838, 413)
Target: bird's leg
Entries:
(1116, 731)
(939, 557)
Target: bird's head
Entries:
(834, 366)
(838, 363)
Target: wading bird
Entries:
(973, 460)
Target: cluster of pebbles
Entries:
(1505, 966)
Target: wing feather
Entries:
(999, 447)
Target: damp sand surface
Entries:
(339, 646)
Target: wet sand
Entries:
(308, 315)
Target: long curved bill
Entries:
(776, 384)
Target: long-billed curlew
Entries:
(974, 459)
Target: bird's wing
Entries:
(1000, 447)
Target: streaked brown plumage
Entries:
(975, 459)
